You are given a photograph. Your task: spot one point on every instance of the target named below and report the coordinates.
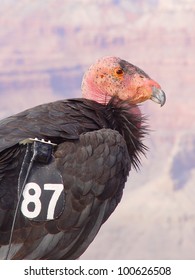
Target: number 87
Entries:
(34, 198)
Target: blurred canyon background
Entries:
(45, 47)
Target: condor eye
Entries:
(119, 71)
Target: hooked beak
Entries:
(158, 96)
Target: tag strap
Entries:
(39, 151)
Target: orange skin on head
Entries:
(111, 76)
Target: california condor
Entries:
(63, 165)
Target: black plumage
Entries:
(95, 142)
(96, 146)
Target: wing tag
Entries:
(40, 185)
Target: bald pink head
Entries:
(112, 76)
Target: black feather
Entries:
(96, 147)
